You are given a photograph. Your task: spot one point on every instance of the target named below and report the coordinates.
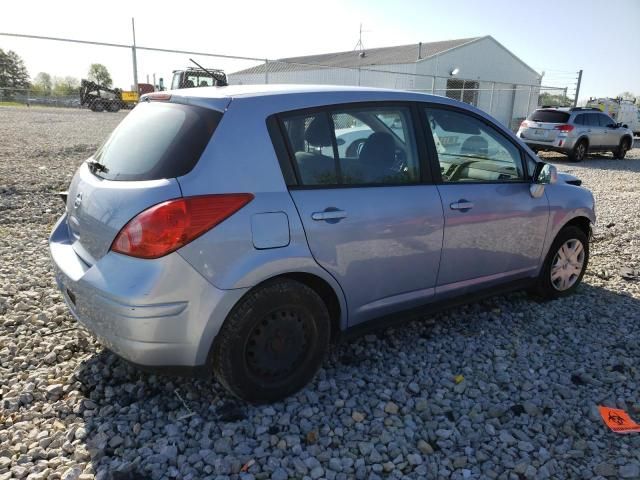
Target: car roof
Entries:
(292, 96)
(232, 91)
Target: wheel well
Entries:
(627, 137)
(583, 223)
(326, 293)
(583, 139)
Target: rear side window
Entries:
(157, 140)
(592, 120)
(353, 146)
(549, 116)
(579, 120)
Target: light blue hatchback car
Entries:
(240, 229)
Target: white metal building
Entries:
(480, 71)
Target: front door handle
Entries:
(462, 205)
(329, 215)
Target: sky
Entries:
(601, 37)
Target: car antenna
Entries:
(220, 77)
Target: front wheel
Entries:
(273, 342)
(565, 264)
(623, 148)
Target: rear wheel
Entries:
(623, 148)
(114, 107)
(565, 264)
(273, 342)
(579, 151)
(97, 106)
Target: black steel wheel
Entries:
(273, 342)
(278, 343)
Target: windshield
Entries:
(156, 140)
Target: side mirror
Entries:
(544, 174)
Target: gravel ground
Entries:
(506, 388)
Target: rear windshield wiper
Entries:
(96, 166)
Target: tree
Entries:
(13, 73)
(65, 86)
(98, 73)
(42, 84)
(560, 100)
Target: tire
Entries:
(550, 288)
(273, 342)
(97, 106)
(623, 148)
(579, 151)
(114, 107)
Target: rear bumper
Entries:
(154, 313)
(562, 144)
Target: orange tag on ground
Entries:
(618, 420)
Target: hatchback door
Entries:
(543, 125)
(134, 169)
(494, 229)
(368, 220)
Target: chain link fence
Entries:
(508, 102)
(27, 97)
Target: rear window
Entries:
(156, 140)
(549, 116)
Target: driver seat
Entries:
(377, 157)
(476, 146)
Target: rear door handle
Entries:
(329, 215)
(462, 205)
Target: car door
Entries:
(596, 132)
(611, 135)
(494, 229)
(370, 219)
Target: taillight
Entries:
(524, 124)
(564, 128)
(167, 226)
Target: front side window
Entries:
(605, 120)
(469, 150)
(354, 146)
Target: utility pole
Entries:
(575, 100)
(133, 53)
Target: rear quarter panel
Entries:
(241, 158)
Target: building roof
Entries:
(400, 54)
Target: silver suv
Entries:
(574, 132)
